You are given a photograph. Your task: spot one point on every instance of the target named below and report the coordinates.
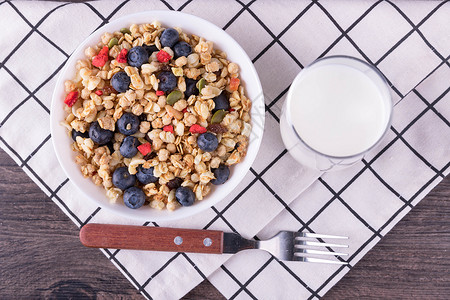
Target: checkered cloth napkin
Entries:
(407, 41)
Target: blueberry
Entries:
(99, 135)
(167, 81)
(77, 133)
(182, 49)
(137, 56)
(221, 102)
(150, 49)
(207, 142)
(221, 173)
(191, 88)
(120, 82)
(145, 175)
(133, 197)
(128, 124)
(185, 196)
(169, 37)
(122, 179)
(129, 146)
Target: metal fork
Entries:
(286, 245)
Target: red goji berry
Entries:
(99, 61)
(231, 109)
(163, 56)
(159, 93)
(99, 92)
(168, 128)
(197, 129)
(184, 110)
(101, 58)
(145, 148)
(104, 51)
(122, 57)
(71, 98)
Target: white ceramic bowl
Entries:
(191, 25)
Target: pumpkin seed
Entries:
(112, 42)
(201, 84)
(173, 97)
(218, 116)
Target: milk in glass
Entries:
(334, 113)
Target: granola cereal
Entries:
(157, 116)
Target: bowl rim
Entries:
(258, 106)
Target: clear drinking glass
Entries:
(337, 109)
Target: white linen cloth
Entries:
(407, 41)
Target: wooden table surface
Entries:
(41, 256)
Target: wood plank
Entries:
(412, 261)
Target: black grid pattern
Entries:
(367, 165)
(258, 177)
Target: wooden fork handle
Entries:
(151, 238)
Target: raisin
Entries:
(217, 128)
(150, 156)
(148, 139)
(143, 117)
(110, 146)
(175, 183)
(166, 68)
(108, 90)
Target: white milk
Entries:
(337, 110)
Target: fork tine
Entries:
(312, 251)
(310, 243)
(319, 236)
(319, 260)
